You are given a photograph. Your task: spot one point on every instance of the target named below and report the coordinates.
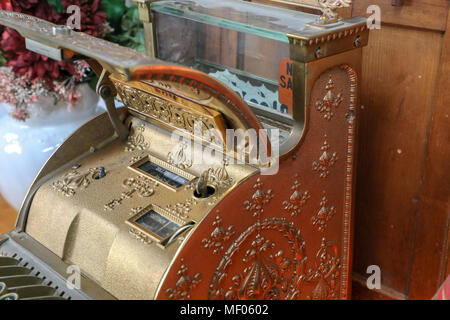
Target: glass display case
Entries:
(231, 41)
(245, 45)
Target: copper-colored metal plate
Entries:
(286, 236)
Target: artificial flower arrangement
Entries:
(26, 77)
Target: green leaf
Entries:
(2, 59)
(114, 9)
(56, 4)
(93, 82)
(130, 31)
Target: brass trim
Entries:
(166, 214)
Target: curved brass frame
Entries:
(237, 107)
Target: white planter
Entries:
(26, 146)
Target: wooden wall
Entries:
(402, 202)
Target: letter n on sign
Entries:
(285, 85)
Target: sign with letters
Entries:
(285, 85)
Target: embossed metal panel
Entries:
(286, 236)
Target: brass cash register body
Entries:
(124, 201)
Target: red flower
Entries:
(5, 5)
(33, 65)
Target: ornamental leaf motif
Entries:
(326, 160)
(184, 285)
(325, 213)
(330, 101)
(218, 236)
(267, 272)
(259, 199)
(325, 273)
(297, 200)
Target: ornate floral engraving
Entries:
(116, 202)
(267, 272)
(297, 199)
(137, 141)
(136, 159)
(326, 272)
(140, 236)
(218, 236)
(220, 176)
(140, 184)
(326, 160)
(181, 209)
(260, 197)
(329, 102)
(181, 155)
(189, 186)
(184, 284)
(74, 180)
(159, 109)
(329, 7)
(135, 211)
(325, 213)
(212, 200)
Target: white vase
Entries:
(26, 146)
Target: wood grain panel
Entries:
(425, 14)
(399, 76)
(431, 252)
(7, 216)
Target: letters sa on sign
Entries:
(285, 84)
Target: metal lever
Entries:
(106, 90)
(178, 232)
(201, 188)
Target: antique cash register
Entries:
(161, 198)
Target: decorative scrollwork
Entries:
(184, 284)
(181, 155)
(218, 236)
(267, 272)
(137, 141)
(325, 213)
(181, 209)
(328, 8)
(142, 237)
(140, 184)
(326, 160)
(297, 200)
(219, 176)
(74, 180)
(135, 211)
(163, 110)
(329, 102)
(111, 205)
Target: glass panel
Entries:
(163, 174)
(250, 18)
(157, 224)
(238, 43)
